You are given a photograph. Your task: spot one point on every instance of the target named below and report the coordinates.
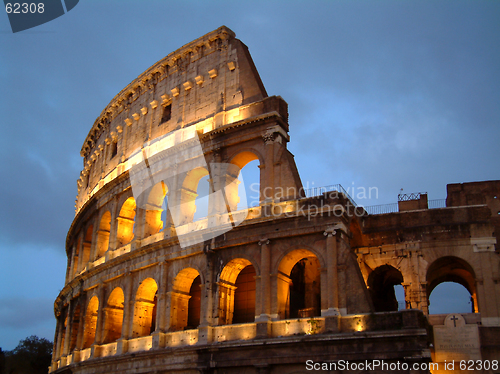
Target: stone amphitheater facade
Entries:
(151, 289)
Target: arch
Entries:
(244, 156)
(227, 292)
(189, 194)
(451, 297)
(183, 290)
(381, 282)
(241, 170)
(154, 209)
(145, 306)
(452, 269)
(299, 284)
(202, 200)
(244, 296)
(103, 234)
(90, 322)
(126, 220)
(113, 316)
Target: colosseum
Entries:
(162, 278)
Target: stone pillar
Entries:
(179, 303)
(59, 337)
(139, 227)
(68, 267)
(100, 320)
(113, 227)
(332, 313)
(161, 308)
(128, 315)
(69, 327)
(267, 182)
(332, 274)
(93, 243)
(265, 279)
(81, 238)
(81, 326)
(207, 305)
(264, 320)
(74, 262)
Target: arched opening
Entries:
(75, 322)
(450, 297)
(154, 209)
(299, 285)
(381, 285)
(144, 322)
(244, 296)
(183, 314)
(399, 290)
(202, 198)
(194, 304)
(90, 323)
(228, 292)
(125, 227)
(165, 218)
(452, 269)
(113, 316)
(243, 181)
(103, 234)
(87, 244)
(188, 204)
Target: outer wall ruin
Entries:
(150, 288)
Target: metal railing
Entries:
(382, 209)
(318, 191)
(374, 209)
(393, 208)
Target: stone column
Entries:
(332, 273)
(265, 279)
(74, 262)
(93, 243)
(128, 315)
(100, 321)
(113, 226)
(206, 305)
(80, 240)
(81, 326)
(140, 223)
(331, 314)
(69, 327)
(267, 182)
(264, 320)
(59, 335)
(161, 308)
